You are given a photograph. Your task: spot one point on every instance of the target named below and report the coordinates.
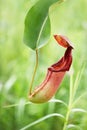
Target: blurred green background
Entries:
(17, 62)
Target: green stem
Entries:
(70, 103)
(66, 120)
(35, 69)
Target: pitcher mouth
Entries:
(64, 63)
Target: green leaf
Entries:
(9, 83)
(14, 105)
(58, 101)
(75, 127)
(20, 109)
(81, 96)
(79, 110)
(42, 119)
(37, 24)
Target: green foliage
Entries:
(17, 62)
(37, 24)
(42, 119)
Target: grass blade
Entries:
(58, 101)
(42, 119)
(73, 126)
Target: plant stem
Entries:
(35, 69)
(66, 120)
(70, 103)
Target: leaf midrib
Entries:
(39, 35)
